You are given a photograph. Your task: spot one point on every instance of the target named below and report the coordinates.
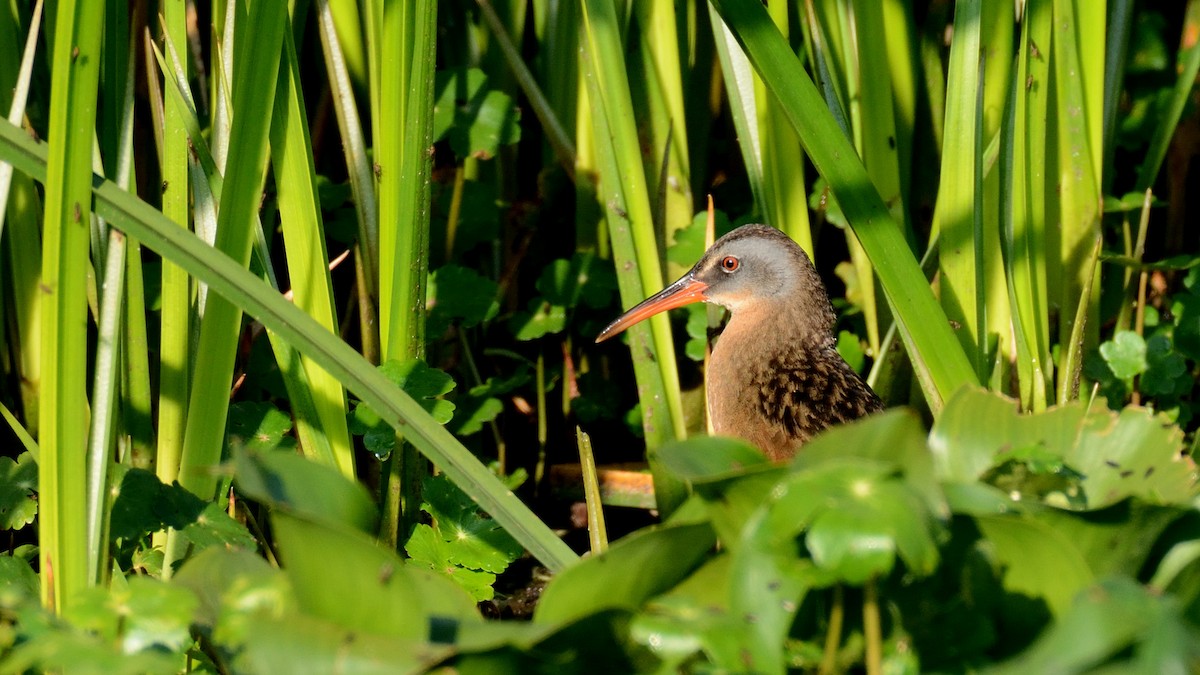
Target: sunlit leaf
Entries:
(287, 481)
(473, 540)
(633, 570)
(426, 548)
(1125, 354)
(1133, 453)
(18, 483)
(476, 118)
(543, 318)
(256, 425)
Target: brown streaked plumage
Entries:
(775, 377)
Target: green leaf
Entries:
(233, 587)
(1165, 368)
(301, 643)
(18, 483)
(584, 277)
(1035, 559)
(849, 543)
(1133, 453)
(697, 330)
(1114, 626)
(476, 119)
(423, 383)
(18, 581)
(255, 425)
(850, 348)
(635, 569)
(346, 577)
(689, 241)
(286, 481)
(1125, 354)
(707, 459)
(459, 293)
(543, 318)
(142, 505)
(214, 527)
(473, 540)
(472, 412)
(426, 548)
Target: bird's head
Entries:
(753, 269)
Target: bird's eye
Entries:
(729, 263)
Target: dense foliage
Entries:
(299, 307)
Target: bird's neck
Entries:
(777, 326)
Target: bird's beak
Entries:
(683, 292)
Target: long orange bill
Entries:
(683, 292)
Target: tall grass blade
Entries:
(743, 106)
(308, 262)
(623, 191)
(939, 361)
(105, 391)
(229, 278)
(21, 209)
(62, 480)
(955, 216)
(402, 150)
(1078, 62)
(256, 72)
(1022, 212)
(175, 328)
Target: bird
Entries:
(775, 377)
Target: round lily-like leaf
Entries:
(848, 543)
(18, 481)
(1133, 453)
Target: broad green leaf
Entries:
(635, 569)
(850, 349)
(424, 384)
(472, 412)
(473, 540)
(895, 437)
(584, 277)
(1125, 354)
(706, 459)
(426, 548)
(143, 615)
(306, 644)
(697, 331)
(289, 482)
(689, 245)
(850, 544)
(1036, 560)
(476, 118)
(1133, 453)
(18, 581)
(214, 527)
(18, 483)
(142, 505)
(459, 293)
(233, 588)
(543, 318)
(346, 577)
(1113, 626)
(257, 426)
(1165, 368)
